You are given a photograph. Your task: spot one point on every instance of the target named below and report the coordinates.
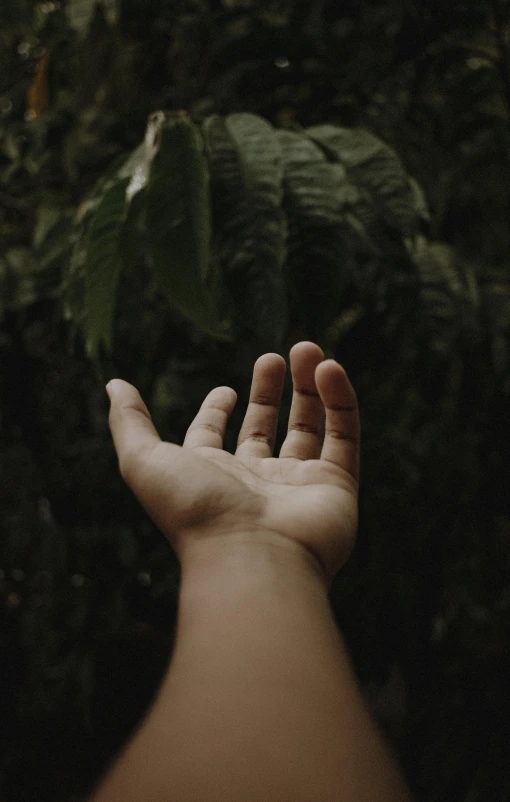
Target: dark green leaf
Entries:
(102, 267)
(318, 197)
(247, 192)
(131, 169)
(377, 171)
(178, 224)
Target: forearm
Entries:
(260, 702)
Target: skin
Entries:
(308, 494)
(260, 702)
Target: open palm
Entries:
(307, 495)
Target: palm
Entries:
(312, 502)
(308, 494)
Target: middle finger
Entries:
(307, 416)
(258, 432)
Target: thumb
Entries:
(133, 431)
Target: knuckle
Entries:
(338, 434)
(306, 428)
(209, 427)
(260, 437)
(306, 391)
(263, 400)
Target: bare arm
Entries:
(260, 702)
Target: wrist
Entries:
(254, 554)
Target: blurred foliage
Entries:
(386, 125)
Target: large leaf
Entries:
(134, 167)
(247, 192)
(73, 285)
(319, 192)
(178, 223)
(102, 267)
(318, 200)
(386, 193)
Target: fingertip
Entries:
(263, 358)
(119, 387)
(125, 396)
(112, 389)
(226, 392)
(330, 362)
(234, 395)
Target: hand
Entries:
(308, 495)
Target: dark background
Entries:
(88, 587)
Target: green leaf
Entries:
(102, 267)
(419, 201)
(319, 192)
(179, 226)
(123, 167)
(318, 198)
(250, 227)
(386, 194)
(134, 167)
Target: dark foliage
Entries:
(88, 587)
